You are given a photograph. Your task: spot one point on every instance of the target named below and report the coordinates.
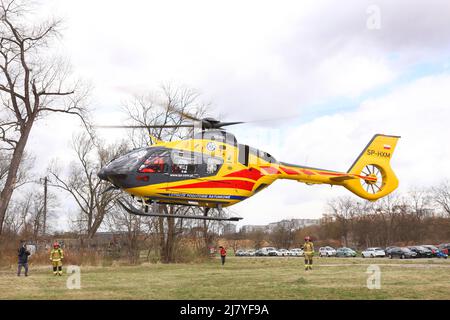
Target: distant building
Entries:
(229, 228)
(252, 228)
(292, 224)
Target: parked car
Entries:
(435, 251)
(444, 247)
(283, 252)
(327, 251)
(261, 253)
(373, 252)
(345, 252)
(239, 253)
(264, 251)
(388, 249)
(251, 253)
(272, 252)
(297, 252)
(422, 252)
(401, 253)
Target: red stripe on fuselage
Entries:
(253, 174)
(270, 170)
(307, 172)
(324, 173)
(289, 171)
(230, 184)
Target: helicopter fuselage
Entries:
(215, 171)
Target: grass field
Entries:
(240, 278)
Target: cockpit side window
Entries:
(157, 162)
(185, 163)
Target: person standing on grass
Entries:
(56, 257)
(23, 254)
(308, 249)
(223, 254)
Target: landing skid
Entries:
(133, 210)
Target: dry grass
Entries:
(240, 278)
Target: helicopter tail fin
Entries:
(374, 161)
(155, 140)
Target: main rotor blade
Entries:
(183, 114)
(145, 127)
(223, 124)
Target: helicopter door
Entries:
(244, 151)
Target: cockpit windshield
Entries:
(128, 161)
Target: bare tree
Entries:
(343, 210)
(32, 84)
(283, 235)
(25, 214)
(136, 230)
(258, 237)
(83, 184)
(17, 214)
(441, 195)
(22, 174)
(162, 107)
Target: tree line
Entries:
(419, 216)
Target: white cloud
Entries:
(350, 78)
(416, 111)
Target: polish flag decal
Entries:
(387, 147)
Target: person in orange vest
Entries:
(223, 254)
(56, 257)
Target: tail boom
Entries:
(370, 177)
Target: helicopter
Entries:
(212, 170)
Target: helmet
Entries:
(56, 244)
(307, 238)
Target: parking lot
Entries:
(391, 252)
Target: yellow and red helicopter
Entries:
(212, 170)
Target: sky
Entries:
(315, 80)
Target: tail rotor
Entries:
(372, 179)
(376, 177)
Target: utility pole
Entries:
(45, 205)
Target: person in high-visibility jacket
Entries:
(56, 257)
(308, 249)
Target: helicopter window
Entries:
(244, 151)
(217, 135)
(157, 162)
(213, 165)
(266, 156)
(184, 163)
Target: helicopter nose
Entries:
(102, 174)
(114, 177)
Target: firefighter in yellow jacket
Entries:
(56, 257)
(308, 249)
